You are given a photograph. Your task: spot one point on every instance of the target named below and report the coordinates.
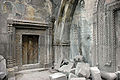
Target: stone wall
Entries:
(62, 30)
(75, 29)
(55, 7)
(104, 35)
(81, 30)
(3, 33)
(90, 32)
(26, 10)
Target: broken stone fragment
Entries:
(108, 76)
(118, 72)
(64, 62)
(118, 75)
(58, 76)
(82, 70)
(77, 59)
(72, 70)
(81, 78)
(2, 75)
(3, 70)
(95, 73)
(66, 68)
(71, 75)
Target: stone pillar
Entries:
(51, 41)
(49, 53)
(11, 55)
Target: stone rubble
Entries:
(118, 75)
(78, 59)
(73, 70)
(80, 70)
(108, 76)
(71, 75)
(67, 70)
(2, 75)
(95, 73)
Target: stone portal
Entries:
(31, 43)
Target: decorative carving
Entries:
(104, 35)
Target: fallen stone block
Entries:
(3, 70)
(71, 75)
(82, 70)
(72, 70)
(64, 62)
(95, 73)
(81, 78)
(58, 76)
(2, 75)
(66, 68)
(108, 76)
(118, 75)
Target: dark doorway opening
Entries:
(29, 49)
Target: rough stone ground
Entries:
(32, 75)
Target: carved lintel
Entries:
(26, 22)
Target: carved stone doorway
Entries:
(30, 43)
(29, 49)
(30, 46)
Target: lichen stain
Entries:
(108, 1)
(24, 9)
(7, 7)
(30, 13)
(19, 1)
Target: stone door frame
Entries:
(14, 25)
(110, 9)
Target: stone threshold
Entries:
(31, 70)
